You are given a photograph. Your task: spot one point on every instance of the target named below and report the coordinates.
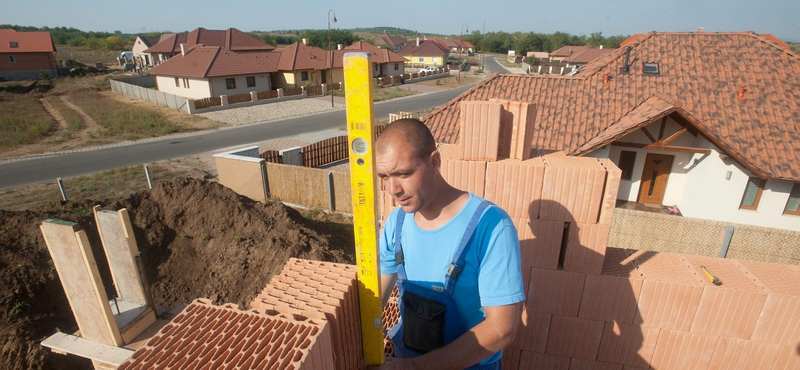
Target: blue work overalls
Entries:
(418, 303)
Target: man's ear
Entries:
(436, 160)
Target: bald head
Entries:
(410, 131)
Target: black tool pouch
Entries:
(423, 323)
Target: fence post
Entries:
(305, 91)
(331, 192)
(61, 187)
(190, 107)
(324, 89)
(723, 252)
(147, 174)
(280, 93)
(253, 96)
(224, 100)
(264, 179)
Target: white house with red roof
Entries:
(230, 39)
(26, 55)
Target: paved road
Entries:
(48, 168)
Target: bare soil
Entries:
(197, 239)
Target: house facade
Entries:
(299, 65)
(26, 55)
(143, 43)
(425, 53)
(718, 142)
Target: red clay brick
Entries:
(610, 192)
(572, 189)
(788, 358)
(667, 305)
(742, 354)
(510, 359)
(465, 175)
(539, 242)
(779, 322)
(515, 186)
(681, 350)
(581, 364)
(586, 247)
(555, 292)
(449, 151)
(574, 337)
(480, 130)
(540, 361)
(619, 263)
(778, 279)
(521, 119)
(533, 335)
(610, 298)
(625, 344)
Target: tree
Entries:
(319, 38)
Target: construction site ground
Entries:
(197, 239)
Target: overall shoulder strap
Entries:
(398, 245)
(458, 258)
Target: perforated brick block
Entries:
(532, 336)
(582, 364)
(610, 192)
(515, 186)
(586, 247)
(779, 321)
(625, 344)
(610, 298)
(540, 361)
(743, 354)
(555, 292)
(618, 262)
(539, 242)
(206, 336)
(572, 190)
(510, 359)
(667, 305)
(465, 175)
(788, 359)
(680, 350)
(479, 132)
(574, 337)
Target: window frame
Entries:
(304, 76)
(651, 64)
(186, 83)
(13, 44)
(761, 184)
(12, 59)
(796, 191)
(177, 82)
(421, 59)
(630, 162)
(396, 66)
(230, 84)
(248, 79)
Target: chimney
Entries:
(183, 49)
(741, 94)
(701, 29)
(417, 41)
(339, 46)
(601, 47)
(606, 80)
(305, 41)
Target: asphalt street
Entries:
(83, 162)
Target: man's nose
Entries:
(393, 186)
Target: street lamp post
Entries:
(464, 29)
(330, 70)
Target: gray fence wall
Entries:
(140, 88)
(666, 233)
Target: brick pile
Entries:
(324, 290)
(205, 336)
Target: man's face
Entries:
(410, 180)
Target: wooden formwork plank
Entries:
(121, 252)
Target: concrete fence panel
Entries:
(341, 192)
(242, 175)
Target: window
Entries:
(626, 161)
(13, 44)
(395, 66)
(186, 83)
(793, 204)
(230, 83)
(177, 82)
(421, 59)
(375, 67)
(752, 193)
(303, 76)
(251, 81)
(651, 68)
(11, 59)
(435, 60)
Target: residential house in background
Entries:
(384, 62)
(708, 133)
(425, 53)
(456, 45)
(203, 71)
(26, 55)
(230, 39)
(300, 64)
(586, 56)
(394, 42)
(143, 43)
(565, 52)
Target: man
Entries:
(457, 261)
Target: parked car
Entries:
(127, 56)
(429, 69)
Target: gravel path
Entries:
(271, 111)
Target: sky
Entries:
(580, 17)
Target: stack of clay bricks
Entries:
(205, 336)
(322, 290)
(389, 318)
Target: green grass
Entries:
(118, 119)
(23, 120)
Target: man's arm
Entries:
(493, 334)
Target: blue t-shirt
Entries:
(492, 273)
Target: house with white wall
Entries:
(205, 71)
(143, 43)
(698, 121)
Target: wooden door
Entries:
(654, 178)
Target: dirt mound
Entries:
(197, 239)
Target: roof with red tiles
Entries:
(26, 42)
(566, 50)
(230, 39)
(300, 56)
(386, 39)
(426, 47)
(378, 55)
(700, 82)
(589, 55)
(213, 61)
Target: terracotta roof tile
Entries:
(26, 42)
(701, 75)
(426, 47)
(386, 39)
(299, 56)
(212, 61)
(230, 39)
